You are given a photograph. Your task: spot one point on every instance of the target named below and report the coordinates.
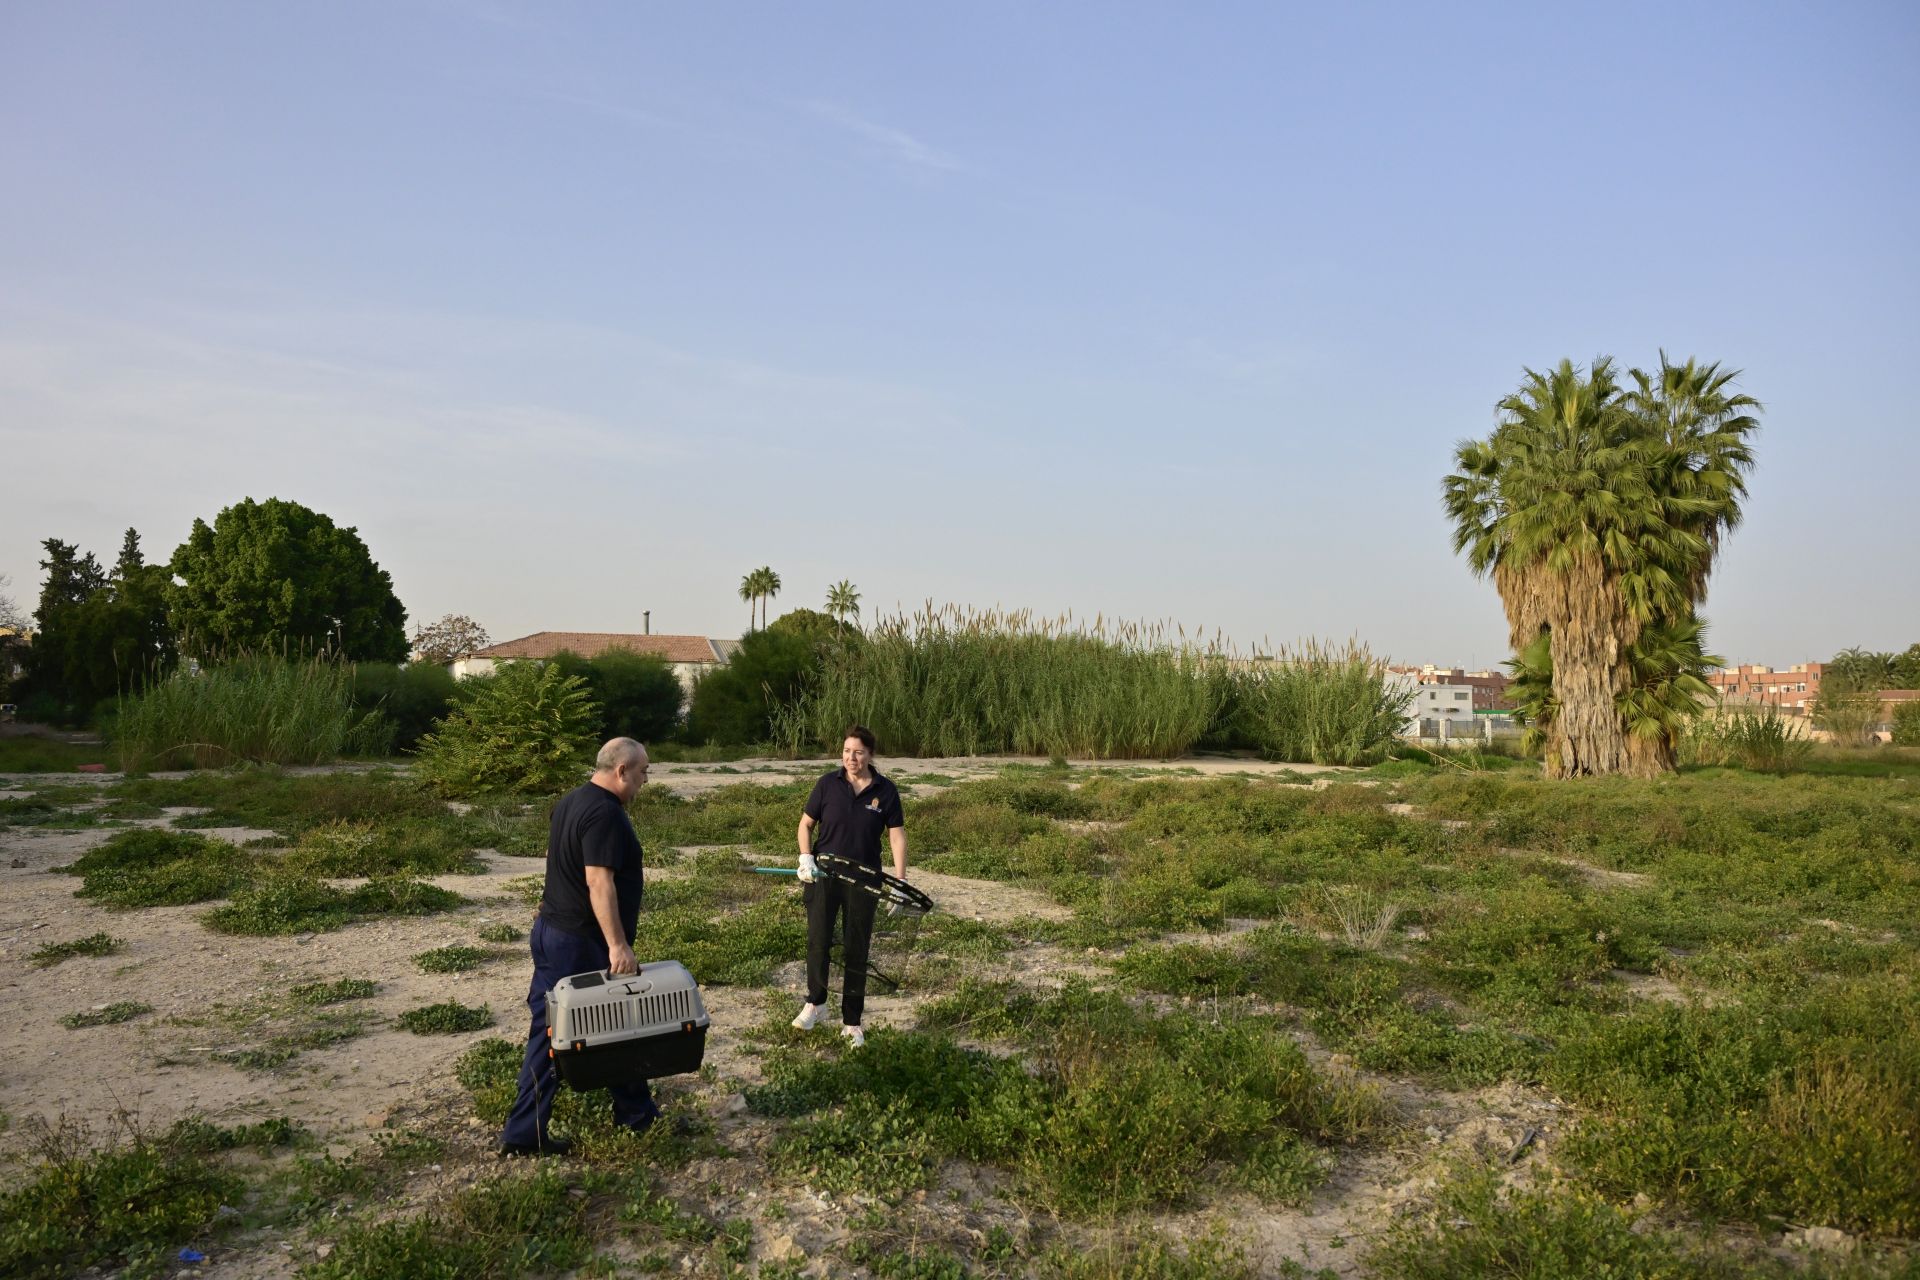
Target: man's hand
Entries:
(809, 869)
(620, 960)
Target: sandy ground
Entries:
(162, 1065)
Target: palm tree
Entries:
(750, 592)
(843, 599)
(769, 588)
(1597, 513)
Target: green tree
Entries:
(99, 635)
(1906, 669)
(273, 575)
(454, 636)
(1859, 668)
(769, 588)
(1598, 513)
(843, 601)
(750, 592)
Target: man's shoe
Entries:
(810, 1015)
(855, 1036)
(551, 1147)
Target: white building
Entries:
(689, 656)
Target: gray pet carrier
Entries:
(609, 1029)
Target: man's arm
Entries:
(606, 909)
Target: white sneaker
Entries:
(855, 1036)
(809, 1018)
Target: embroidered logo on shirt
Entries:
(874, 804)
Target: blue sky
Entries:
(1157, 311)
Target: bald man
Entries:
(587, 916)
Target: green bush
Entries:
(118, 1011)
(452, 959)
(500, 1229)
(126, 1206)
(443, 846)
(449, 1017)
(526, 729)
(94, 944)
(260, 709)
(1906, 725)
(1550, 1233)
(761, 683)
(408, 697)
(335, 992)
(156, 867)
(639, 695)
(283, 904)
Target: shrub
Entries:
(264, 709)
(526, 729)
(291, 904)
(500, 1229)
(409, 846)
(118, 1011)
(1551, 1233)
(762, 681)
(446, 1018)
(335, 992)
(94, 944)
(1757, 738)
(1906, 725)
(452, 959)
(408, 698)
(638, 693)
(154, 868)
(128, 1205)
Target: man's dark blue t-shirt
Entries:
(589, 828)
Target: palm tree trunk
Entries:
(1590, 630)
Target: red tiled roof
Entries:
(591, 644)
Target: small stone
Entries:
(737, 1104)
(782, 1248)
(322, 1250)
(1823, 1240)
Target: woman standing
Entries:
(854, 807)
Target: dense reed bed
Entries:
(266, 709)
(950, 681)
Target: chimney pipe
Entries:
(646, 618)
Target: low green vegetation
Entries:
(94, 944)
(455, 959)
(106, 1015)
(337, 991)
(32, 754)
(449, 1017)
(290, 904)
(503, 1228)
(1127, 1110)
(501, 933)
(128, 1203)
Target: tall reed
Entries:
(1319, 703)
(950, 681)
(266, 709)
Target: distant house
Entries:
(690, 656)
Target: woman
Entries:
(853, 807)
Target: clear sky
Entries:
(1163, 311)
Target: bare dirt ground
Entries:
(164, 1065)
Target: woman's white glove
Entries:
(809, 869)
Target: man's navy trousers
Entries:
(558, 954)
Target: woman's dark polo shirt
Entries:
(854, 826)
(590, 829)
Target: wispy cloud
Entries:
(898, 143)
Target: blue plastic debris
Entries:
(192, 1255)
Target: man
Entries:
(587, 916)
